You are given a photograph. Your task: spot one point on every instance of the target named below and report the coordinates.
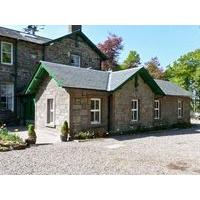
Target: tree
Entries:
(32, 29)
(153, 66)
(133, 60)
(111, 47)
(185, 71)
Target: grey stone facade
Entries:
(27, 54)
(61, 99)
(60, 52)
(74, 105)
(121, 105)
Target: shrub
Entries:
(85, 135)
(64, 129)
(31, 132)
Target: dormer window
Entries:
(75, 60)
(6, 53)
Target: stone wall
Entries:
(121, 106)
(75, 100)
(80, 115)
(59, 52)
(7, 72)
(169, 110)
(29, 54)
(50, 89)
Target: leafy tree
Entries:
(111, 47)
(153, 66)
(185, 72)
(133, 60)
(32, 29)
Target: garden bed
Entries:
(10, 141)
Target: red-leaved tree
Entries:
(111, 47)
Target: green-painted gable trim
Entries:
(147, 79)
(37, 79)
(85, 38)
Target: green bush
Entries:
(7, 137)
(65, 129)
(85, 135)
(31, 131)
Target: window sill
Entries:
(9, 64)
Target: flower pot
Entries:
(63, 138)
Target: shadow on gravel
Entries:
(44, 144)
(195, 129)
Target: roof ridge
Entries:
(24, 32)
(77, 68)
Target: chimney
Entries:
(73, 28)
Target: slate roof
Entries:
(172, 89)
(6, 32)
(69, 76)
(85, 78)
(119, 77)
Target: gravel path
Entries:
(167, 152)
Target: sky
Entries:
(168, 43)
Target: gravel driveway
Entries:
(166, 152)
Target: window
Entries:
(95, 111)
(180, 109)
(6, 53)
(75, 60)
(156, 109)
(7, 97)
(134, 110)
(50, 112)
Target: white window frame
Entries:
(79, 60)
(180, 108)
(134, 109)
(51, 124)
(157, 109)
(12, 91)
(11, 53)
(96, 110)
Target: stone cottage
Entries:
(105, 101)
(20, 53)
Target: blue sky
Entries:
(165, 42)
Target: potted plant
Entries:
(64, 136)
(31, 135)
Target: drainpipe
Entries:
(109, 113)
(15, 76)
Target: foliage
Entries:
(85, 135)
(111, 47)
(153, 66)
(31, 131)
(7, 137)
(64, 128)
(185, 71)
(133, 60)
(32, 29)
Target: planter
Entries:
(63, 138)
(30, 141)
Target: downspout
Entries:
(109, 112)
(15, 76)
